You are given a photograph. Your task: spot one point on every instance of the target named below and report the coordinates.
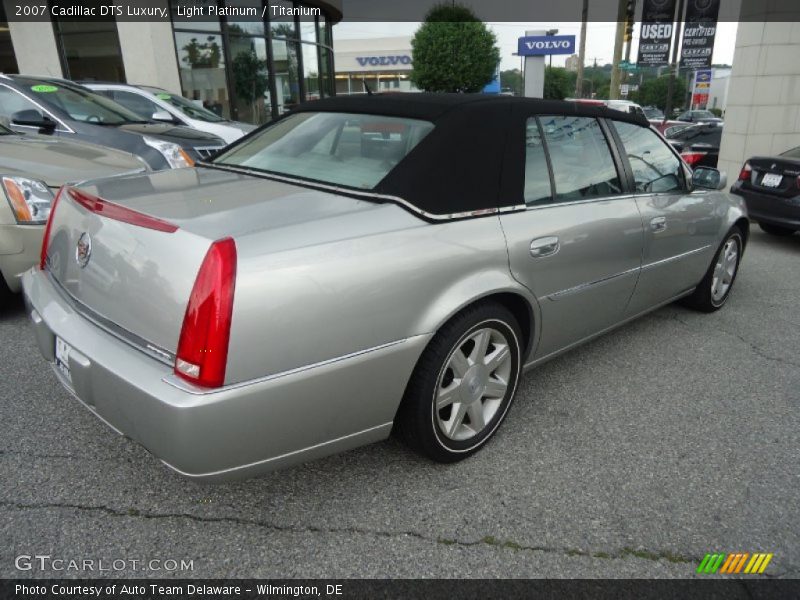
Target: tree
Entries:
(250, 78)
(453, 51)
(558, 83)
(653, 92)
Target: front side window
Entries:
(583, 167)
(12, 103)
(656, 169)
(352, 150)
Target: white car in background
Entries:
(626, 106)
(155, 104)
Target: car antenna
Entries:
(366, 87)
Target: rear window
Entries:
(793, 153)
(345, 149)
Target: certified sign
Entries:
(541, 45)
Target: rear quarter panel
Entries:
(304, 304)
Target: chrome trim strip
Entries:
(280, 456)
(583, 286)
(187, 387)
(352, 192)
(584, 201)
(107, 325)
(67, 128)
(676, 257)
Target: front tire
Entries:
(712, 292)
(776, 229)
(463, 384)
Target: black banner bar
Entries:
(245, 589)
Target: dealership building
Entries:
(248, 69)
(383, 64)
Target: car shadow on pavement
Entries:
(12, 307)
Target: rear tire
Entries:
(712, 292)
(463, 384)
(776, 229)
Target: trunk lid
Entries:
(774, 175)
(137, 279)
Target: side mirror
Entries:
(710, 179)
(163, 115)
(32, 118)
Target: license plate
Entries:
(771, 180)
(62, 357)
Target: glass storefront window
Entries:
(8, 62)
(323, 35)
(251, 26)
(287, 79)
(308, 31)
(201, 64)
(250, 78)
(325, 75)
(186, 22)
(282, 26)
(90, 50)
(311, 71)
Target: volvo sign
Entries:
(542, 45)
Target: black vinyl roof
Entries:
(432, 106)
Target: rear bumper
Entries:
(20, 246)
(237, 431)
(769, 209)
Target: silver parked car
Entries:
(369, 264)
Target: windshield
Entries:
(793, 153)
(186, 106)
(653, 113)
(79, 103)
(352, 150)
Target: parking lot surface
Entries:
(632, 456)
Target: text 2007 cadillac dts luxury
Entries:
(364, 265)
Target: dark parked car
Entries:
(698, 144)
(67, 110)
(770, 185)
(699, 116)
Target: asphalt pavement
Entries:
(632, 456)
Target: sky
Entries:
(599, 38)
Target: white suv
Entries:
(155, 104)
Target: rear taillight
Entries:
(744, 174)
(203, 345)
(46, 238)
(692, 158)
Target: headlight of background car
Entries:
(173, 153)
(30, 199)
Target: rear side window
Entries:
(655, 167)
(537, 175)
(583, 167)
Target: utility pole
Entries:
(582, 50)
(674, 66)
(613, 92)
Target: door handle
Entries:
(658, 224)
(546, 246)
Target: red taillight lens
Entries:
(46, 238)
(203, 345)
(744, 174)
(692, 158)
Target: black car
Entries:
(698, 116)
(65, 109)
(698, 144)
(770, 185)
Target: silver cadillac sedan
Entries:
(368, 265)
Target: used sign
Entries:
(656, 34)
